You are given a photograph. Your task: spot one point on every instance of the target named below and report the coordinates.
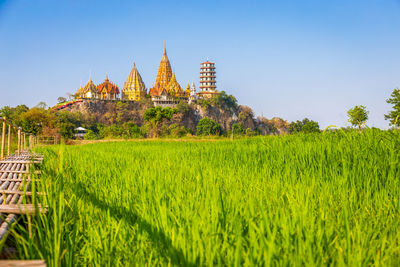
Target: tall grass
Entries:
(311, 200)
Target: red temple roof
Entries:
(110, 87)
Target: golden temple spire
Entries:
(164, 75)
(134, 88)
(173, 87)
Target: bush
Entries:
(250, 132)
(204, 103)
(208, 126)
(304, 126)
(112, 131)
(224, 100)
(90, 135)
(237, 129)
(177, 131)
(67, 129)
(132, 130)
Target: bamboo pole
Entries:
(9, 140)
(24, 141)
(3, 138)
(19, 141)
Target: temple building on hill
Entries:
(134, 88)
(164, 75)
(208, 86)
(173, 87)
(166, 90)
(88, 91)
(107, 90)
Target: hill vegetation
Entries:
(126, 119)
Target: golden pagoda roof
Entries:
(80, 91)
(187, 91)
(110, 87)
(134, 81)
(164, 75)
(89, 87)
(173, 87)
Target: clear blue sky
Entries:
(291, 59)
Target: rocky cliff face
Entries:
(114, 112)
(111, 112)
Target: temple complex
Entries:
(165, 92)
(134, 88)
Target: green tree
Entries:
(304, 126)
(132, 130)
(394, 115)
(295, 127)
(67, 129)
(358, 116)
(112, 131)
(311, 127)
(238, 129)
(224, 100)
(208, 126)
(35, 119)
(61, 99)
(6, 111)
(156, 116)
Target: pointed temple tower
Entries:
(134, 88)
(187, 91)
(90, 89)
(193, 95)
(208, 86)
(173, 88)
(164, 76)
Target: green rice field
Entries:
(300, 200)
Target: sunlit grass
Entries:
(323, 199)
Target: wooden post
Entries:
(24, 141)
(19, 141)
(3, 138)
(9, 140)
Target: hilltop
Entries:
(222, 109)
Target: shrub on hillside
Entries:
(208, 126)
(177, 131)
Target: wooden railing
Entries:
(46, 140)
(22, 142)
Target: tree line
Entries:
(173, 122)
